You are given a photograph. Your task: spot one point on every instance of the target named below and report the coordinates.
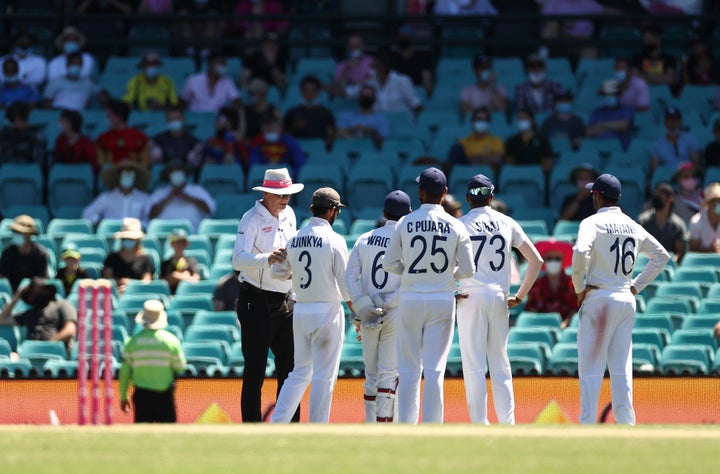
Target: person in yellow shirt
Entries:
(150, 90)
(480, 147)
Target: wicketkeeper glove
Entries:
(366, 310)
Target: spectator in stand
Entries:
(689, 198)
(409, 61)
(21, 142)
(71, 271)
(228, 145)
(311, 119)
(71, 146)
(662, 223)
(611, 119)
(353, 72)
(395, 92)
(704, 229)
(486, 92)
(563, 123)
(71, 91)
(267, 63)
(275, 147)
(199, 30)
(180, 199)
(573, 29)
(528, 147)
(23, 258)
(674, 146)
(700, 68)
(131, 262)
(712, 151)
(159, 7)
(553, 292)
(178, 267)
(150, 90)
(652, 64)
(365, 122)
(480, 147)
(673, 7)
(32, 67)
(256, 29)
(211, 90)
(125, 196)
(12, 89)
(176, 142)
(464, 7)
(538, 93)
(452, 206)
(256, 106)
(634, 90)
(121, 142)
(70, 41)
(579, 205)
(226, 292)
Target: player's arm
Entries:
(658, 258)
(339, 267)
(243, 256)
(353, 274)
(581, 255)
(464, 251)
(392, 261)
(535, 263)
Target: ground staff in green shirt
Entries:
(151, 359)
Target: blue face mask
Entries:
(484, 76)
(18, 239)
(621, 76)
(524, 125)
(175, 125)
(12, 79)
(272, 137)
(610, 101)
(563, 108)
(152, 71)
(128, 244)
(716, 208)
(481, 126)
(74, 71)
(70, 47)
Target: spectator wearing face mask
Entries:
(365, 122)
(176, 142)
(662, 223)
(704, 231)
(578, 206)
(256, 105)
(634, 91)
(32, 67)
(211, 90)
(395, 92)
(611, 119)
(22, 257)
(72, 91)
(486, 92)
(12, 89)
(553, 292)
(675, 146)
(150, 89)
(70, 41)
(351, 73)
(276, 147)
(563, 123)
(131, 262)
(538, 93)
(71, 146)
(689, 198)
(125, 196)
(311, 119)
(528, 147)
(712, 151)
(409, 60)
(180, 199)
(480, 147)
(655, 65)
(228, 145)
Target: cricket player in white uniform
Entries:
(372, 289)
(483, 302)
(317, 258)
(604, 257)
(430, 250)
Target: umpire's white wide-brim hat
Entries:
(278, 181)
(153, 315)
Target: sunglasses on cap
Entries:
(480, 191)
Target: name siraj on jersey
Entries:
(611, 228)
(428, 226)
(491, 226)
(378, 241)
(306, 241)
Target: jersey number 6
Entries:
(305, 282)
(433, 251)
(377, 268)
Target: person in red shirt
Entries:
(121, 142)
(71, 146)
(553, 292)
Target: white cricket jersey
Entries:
(365, 274)
(606, 249)
(318, 257)
(493, 236)
(430, 249)
(259, 234)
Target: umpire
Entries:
(264, 304)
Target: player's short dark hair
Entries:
(433, 197)
(18, 110)
(392, 218)
(611, 202)
(120, 109)
(319, 211)
(74, 119)
(310, 80)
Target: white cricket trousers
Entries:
(483, 322)
(425, 331)
(605, 337)
(318, 337)
(380, 353)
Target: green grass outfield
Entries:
(346, 449)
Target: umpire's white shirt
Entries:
(259, 233)
(318, 257)
(430, 249)
(365, 274)
(606, 249)
(493, 236)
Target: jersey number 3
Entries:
(305, 282)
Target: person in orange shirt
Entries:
(121, 142)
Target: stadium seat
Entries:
(215, 228)
(700, 274)
(212, 332)
(38, 352)
(679, 289)
(351, 360)
(223, 256)
(645, 357)
(542, 335)
(670, 305)
(454, 362)
(70, 185)
(526, 358)
(83, 243)
(162, 228)
(154, 287)
(701, 321)
(656, 336)
(460, 174)
(534, 228)
(202, 355)
(701, 259)
(20, 184)
(206, 287)
(661, 320)
(318, 176)
(687, 359)
(360, 226)
(15, 369)
(133, 303)
(528, 319)
(368, 185)
(564, 359)
(58, 369)
(694, 336)
(227, 318)
(233, 206)
(5, 349)
(38, 211)
(219, 270)
(568, 335)
(528, 180)
(222, 179)
(59, 228)
(188, 305)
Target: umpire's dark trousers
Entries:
(154, 407)
(266, 323)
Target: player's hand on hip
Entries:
(583, 293)
(125, 406)
(461, 296)
(513, 301)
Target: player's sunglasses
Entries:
(484, 191)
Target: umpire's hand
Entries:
(125, 405)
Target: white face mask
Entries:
(553, 267)
(127, 179)
(272, 137)
(177, 178)
(536, 77)
(524, 125)
(18, 239)
(481, 126)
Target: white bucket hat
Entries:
(131, 229)
(153, 315)
(278, 181)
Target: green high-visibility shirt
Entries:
(150, 360)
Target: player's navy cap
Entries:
(607, 185)
(480, 188)
(397, 203)
(433, 181)
(326, 198)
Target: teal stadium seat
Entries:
(528, 319)
(564, 359)
(526, 358)
(528, 180)
(645, 358)
(5, 349)
(15, 369)
(686, 359)
(222, 179)
(162, 228)
(206, 287)
(701, 321)
(212, 332)
(656, 336)
(203, 355)
(38, 352)
(20, 184)
(38, 211)
(694, 336)
(460, 174)
(368, 185)
(319, 176)
(70, 185)
(154, 287)
(226, 318)
(544, 335)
